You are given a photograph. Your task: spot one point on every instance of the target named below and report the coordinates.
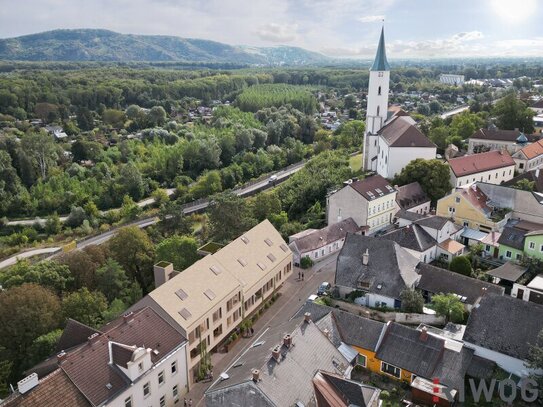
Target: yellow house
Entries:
(468, 206)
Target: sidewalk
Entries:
(293, 295)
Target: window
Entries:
(380, 74)
(518, 256)
(174, 367)
(175, 393)
(146, 389)
(361, 360)
(487, 248)
(451, 209)
(378, 109)
(140, 366)
(163, 401)
(466, 223)
(161, 378)
(532, 245)
(508, 254)
(379, 91)
(541, 248)
(390, 369)
(128, 402)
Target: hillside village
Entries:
(398, 300)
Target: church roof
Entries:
(381, 63)
(401, 133)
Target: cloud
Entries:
(371, 19)
(468, 36)
(274, 32)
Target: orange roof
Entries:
(452, 246)
(474, 163)
(533, 150)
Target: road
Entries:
(293, 295)
(24, 255)
(454, 111)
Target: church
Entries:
(392, 140)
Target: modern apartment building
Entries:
(208, 300)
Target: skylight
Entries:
(268, 242)
(185, 313)
(284, 247)
(209, 294)
(181, 294)
(271, 257)
(245, 239)
(262, 266)
(243, 262)
(215, 269)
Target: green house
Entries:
(533, 244)
(511, 244)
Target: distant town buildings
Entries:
(451, 79)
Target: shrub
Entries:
(461, 265)
(306, 262)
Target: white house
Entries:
(451, 79)
(533, 291)
(318, 244)
(492, 167)
(529, 158)
(391, 141)
(412, 198)
(370, 202)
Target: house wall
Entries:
(464, 212)
(426, 256)
(526, 293)
(381, 212)
(511, 146)
(319, 253)
(522, 165)
(423, 208)
(374, 365)
(533, 246)
(496, 176)
(392, 160)
(376, 300)
(135, 391)
(509, 253)
(347, 203)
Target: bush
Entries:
(461, 265)
(306, 262)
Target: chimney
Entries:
(326, 332)
(276, 353)
(256, 375)
(366, 257)
(28, 383)
(307, 317)
(93, 338)
(162, 271)
(129, 316)
(61, 356)
(287, 340)
(423, 334)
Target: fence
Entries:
(400, 317)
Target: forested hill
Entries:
(103, 45)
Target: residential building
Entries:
(507, 275)
(534, 178)
(138, 359)
(533, 243)
(379, 268)
(496, 139)
(493, 167)
(280, 370)
(470, 207)
(208, 300)
(415, 240)
(370, 202)
(529, 158)
(333, 390)
(412, 198)
(451, 79)
(435, 280)
(391, 142)
(501, 328)
(533, 291)
(318, 244)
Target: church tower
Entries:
(377, 103)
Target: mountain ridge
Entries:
(88, 44)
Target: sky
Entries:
(337, 28)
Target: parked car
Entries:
(323, 288)
(312, 297)
(273, 178)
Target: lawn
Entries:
(355, 162)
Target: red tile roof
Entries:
(533, 150)
(474, 163)
(476, 197)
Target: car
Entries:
(312, 297)
(273, 178)
(323, 288)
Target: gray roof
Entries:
(390, 267)
(412, 216)
(453, 366)
(433, 222)
(512, 237)
(285, 382)
(508, 271)
(411, 237)
(352, 392)
(401, 133)
(473, 234)
(411, 195)
(324, 236)
(403, 347)
(344, 326)
(505, 324)
(436, 280)
(372, 187)
(380, 63)
(481, 368)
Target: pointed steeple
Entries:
(381, 63)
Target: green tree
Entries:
(116, 308)
(440, 136)
(26, 312)
(207, 185)
(173, 220)
(157, 115)
(5, 373)
(76, 217)
(525, 185)
(85, 306)
(131, 181)
(48, 274)
(511, 113)
(461, 265)
(134, 251)
(85, 119)
(111, 280)
(82, 268)
(448, 306)
(40, 148)
(160, 196)
(229, 217)
(53, 225)
(42, 347)
(432, 175)
(179, 250)
(130, 209)
(264, 205)
(412, 301)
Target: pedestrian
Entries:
(185, 403)
(190, 403)
(252, 331)
(302, 276)
(298, 275)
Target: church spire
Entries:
(381, 63)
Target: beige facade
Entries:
(208, 300)
(494, 176)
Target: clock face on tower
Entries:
(380, 74)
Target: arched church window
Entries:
(379, 91)
(378, 109)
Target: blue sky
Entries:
(343, 28)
